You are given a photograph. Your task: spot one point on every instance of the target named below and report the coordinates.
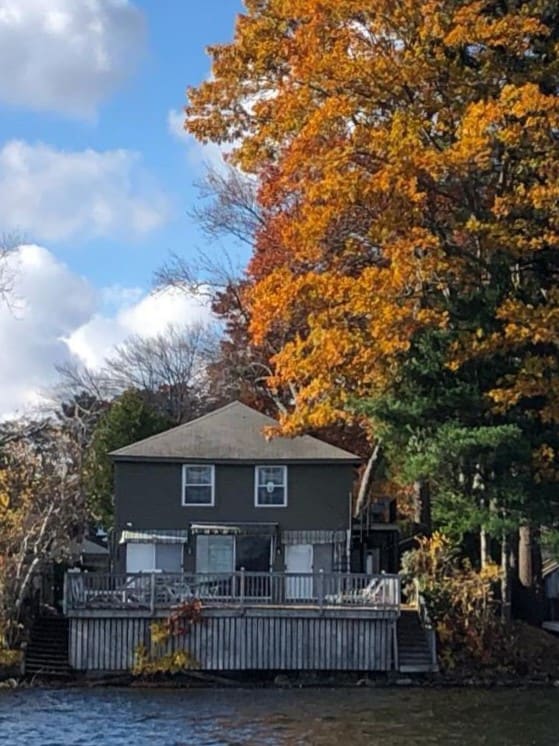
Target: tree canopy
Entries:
(405, 157)
(405, 265)
(128, 419)
(42, 513)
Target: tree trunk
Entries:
(483, 548)
(537, 579)
(530, 596)
(366, 480)
(505, 579)
(485, 539)
(525, 574)
(422, 490)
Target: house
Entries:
(91, 554)
(260, 532)
(216, 495)
(550, 576)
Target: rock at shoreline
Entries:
(9, 684)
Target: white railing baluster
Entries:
(163, 590)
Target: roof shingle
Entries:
(231, 433)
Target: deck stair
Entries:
(414, 653)
(47, 650)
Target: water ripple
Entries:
(267, 717)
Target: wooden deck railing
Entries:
(151, 591)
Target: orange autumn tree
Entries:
(406, 157)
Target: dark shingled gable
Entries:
(231, 433)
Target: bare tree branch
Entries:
(172, 365)
(204, 275)
(229, 206)
(8, 244)
(79, 379)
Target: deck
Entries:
(251, 621)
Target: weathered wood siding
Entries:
(106, 644)
(310, 642)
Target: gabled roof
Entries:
(231, 433)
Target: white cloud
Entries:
(175, 124)
(54, 194)
(93, 341)
(67, 55)
(115, 297)
(50, 301)
(57, 317)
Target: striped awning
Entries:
(237, 529)
(154, 536)
(313, 536)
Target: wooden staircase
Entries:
(47, 650)
(414, 651)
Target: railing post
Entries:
(242, 587)
(321, 587)
(152, 594)
(432, 638)
(396, 651)
(65, 595)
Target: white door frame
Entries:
(299, 587)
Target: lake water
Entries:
(349, 717)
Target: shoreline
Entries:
(275, 680)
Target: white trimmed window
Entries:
(147, 557)
(198, 485)
(271, 487)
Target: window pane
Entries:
(270, 474)
(139, 557)
(253, 553)
(168, 557)
(214, 554)
(198, 495)
(198, 475)
(274, 497)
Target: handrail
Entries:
(154, 590)
(426, 624)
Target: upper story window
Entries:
(198, 485)
(271, 487)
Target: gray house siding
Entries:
(306, 534)
(148, 495)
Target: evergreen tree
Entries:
(440, 430)
(129, 418)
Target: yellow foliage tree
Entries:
(42, 513)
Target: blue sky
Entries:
(134, 118)
(96, 174)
